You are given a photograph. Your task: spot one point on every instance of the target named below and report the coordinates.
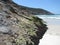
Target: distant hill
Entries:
(32, 11)
(35, 11)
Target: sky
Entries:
(50, 5)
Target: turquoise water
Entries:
(51, 19)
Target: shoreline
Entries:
(52, 35)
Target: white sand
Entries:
(50, 40)
(52, 36)
(53, 29)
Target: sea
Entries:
(51, 19)
(52, 35)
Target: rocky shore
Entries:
(17, 28)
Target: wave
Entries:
(50, 17)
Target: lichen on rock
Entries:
(19, 29)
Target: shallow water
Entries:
(51, 19)
(52, 36)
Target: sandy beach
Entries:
(52, 36)
(53, 30)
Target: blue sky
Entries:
(50, 5)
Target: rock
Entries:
(19, 29)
